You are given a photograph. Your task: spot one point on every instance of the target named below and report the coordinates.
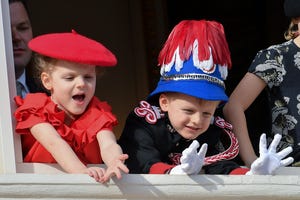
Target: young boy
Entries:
(163, 134)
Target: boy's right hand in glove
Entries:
(191, 160)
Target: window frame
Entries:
(11, 160)
(8, 141)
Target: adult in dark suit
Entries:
(21, 34)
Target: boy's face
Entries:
(72, 85)
(188, 115)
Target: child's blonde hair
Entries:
(46, 64)
(292, 32)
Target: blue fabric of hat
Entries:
(192, 81)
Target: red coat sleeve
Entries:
(160, 168)
(239, 171)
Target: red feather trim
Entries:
(208, 33)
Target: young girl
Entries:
(71, 126)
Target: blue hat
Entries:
(194, 61)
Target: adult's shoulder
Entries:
(276, 50)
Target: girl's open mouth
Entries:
(78, 98)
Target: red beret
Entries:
(73, 47)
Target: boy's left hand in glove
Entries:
(269, 161)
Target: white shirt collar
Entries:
(22, 80)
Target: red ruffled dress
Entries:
(80, 135)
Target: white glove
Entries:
(191, 160)
(269, 160)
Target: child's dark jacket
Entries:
(155, 147)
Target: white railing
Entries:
(143, 187)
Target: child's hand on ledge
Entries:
(116, 168)
(97, 173)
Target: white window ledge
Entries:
(136, 186)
